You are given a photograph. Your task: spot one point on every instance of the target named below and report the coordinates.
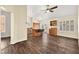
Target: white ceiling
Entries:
(62, 10)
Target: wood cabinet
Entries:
(35, 28)
(53, 23)
(53, 29)
(36, 33)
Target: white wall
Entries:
(35, 11)
(20, 29)
(18, 23)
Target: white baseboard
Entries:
(13, 42)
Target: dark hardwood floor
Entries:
(42, 45)
(5, 42)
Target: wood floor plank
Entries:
(43, 45)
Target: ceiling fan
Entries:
(50, 8)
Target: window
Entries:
(2, 23)
(64, 25)
(67, 25)
(71, 25)
(60, 26)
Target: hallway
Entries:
(42, 45)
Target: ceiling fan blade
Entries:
(51, 11)
(54, 7)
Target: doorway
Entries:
(5, 28)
